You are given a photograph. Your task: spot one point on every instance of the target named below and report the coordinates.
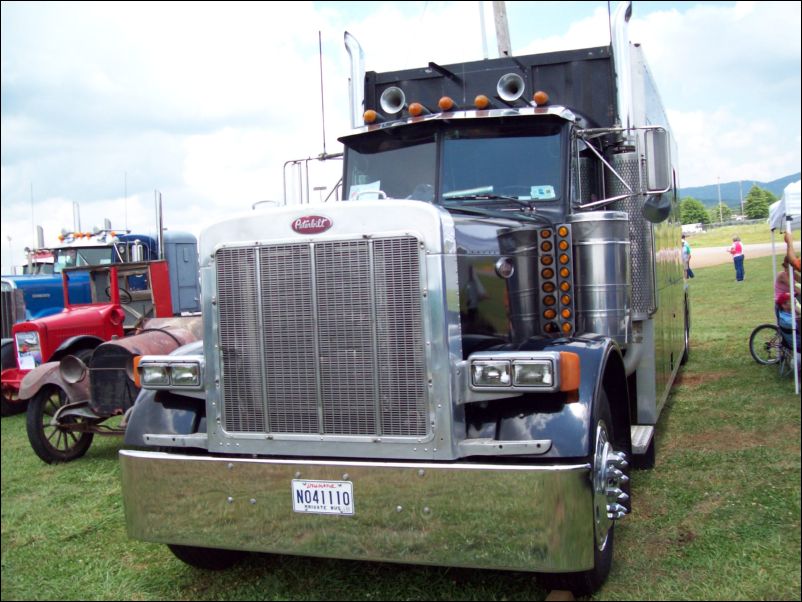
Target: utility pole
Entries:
(502, 29)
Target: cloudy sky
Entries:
(103, 103)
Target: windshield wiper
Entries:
(474, 210)
(489, 197)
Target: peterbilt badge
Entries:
(312, 224)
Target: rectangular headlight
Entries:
(490, 373)
(185, 375)
(154, 375)
(533, 373)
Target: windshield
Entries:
(70, 258)
(400, 169)
(522, 166)
(503, 164)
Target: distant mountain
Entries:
(731, 191)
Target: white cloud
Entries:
(206, 101)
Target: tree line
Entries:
(756, 206)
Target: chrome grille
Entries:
(337, 348)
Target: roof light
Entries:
(481, 102)
(540, 98)
(416, 109)
(370, 116)
(446, 103)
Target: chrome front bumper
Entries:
(515, 517)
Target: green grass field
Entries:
(718, 518)
(749, 234)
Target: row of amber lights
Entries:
(555, 260)
(446, 104)
(62, 237)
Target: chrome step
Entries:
(642, 435)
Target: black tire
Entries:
(686, 352)
(585, 583)
(210, 559)
(53, 443)
(765, 344)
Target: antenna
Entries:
(125, 201)
(322, 103)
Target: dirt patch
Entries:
(731, 438)
(691, 380)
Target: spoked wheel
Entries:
(610, 503)
(55, 442)
(765, 344)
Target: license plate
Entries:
(323, 497)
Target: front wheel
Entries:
(55, 442)
(765, 344)
(610, 502)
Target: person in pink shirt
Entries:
(737, 252)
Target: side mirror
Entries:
(658, 161)
(657, 208)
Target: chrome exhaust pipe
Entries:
(510, 87)
(356, 81)
(393, 100)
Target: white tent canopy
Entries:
(789, 204)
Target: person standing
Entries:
(737, 252)
(686, 257)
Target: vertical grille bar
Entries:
(239, 341)
(346, 342)
(402, 373)
(288, 339)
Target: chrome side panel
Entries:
(530, 518)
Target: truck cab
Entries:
(473, 346)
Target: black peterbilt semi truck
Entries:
(455, 364)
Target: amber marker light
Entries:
(565, 272)
(481, 102)
(565, 299)
(564, 259)
(370, 116)
(545, 246)
(540, 98)
(547, 259)
(563, 245)
(566, 313)
(547, 273)
(562, 231)
(545, 233)
(416, 109)
(565, 287)
(137, 382)
(446, 103)
(549, 314)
